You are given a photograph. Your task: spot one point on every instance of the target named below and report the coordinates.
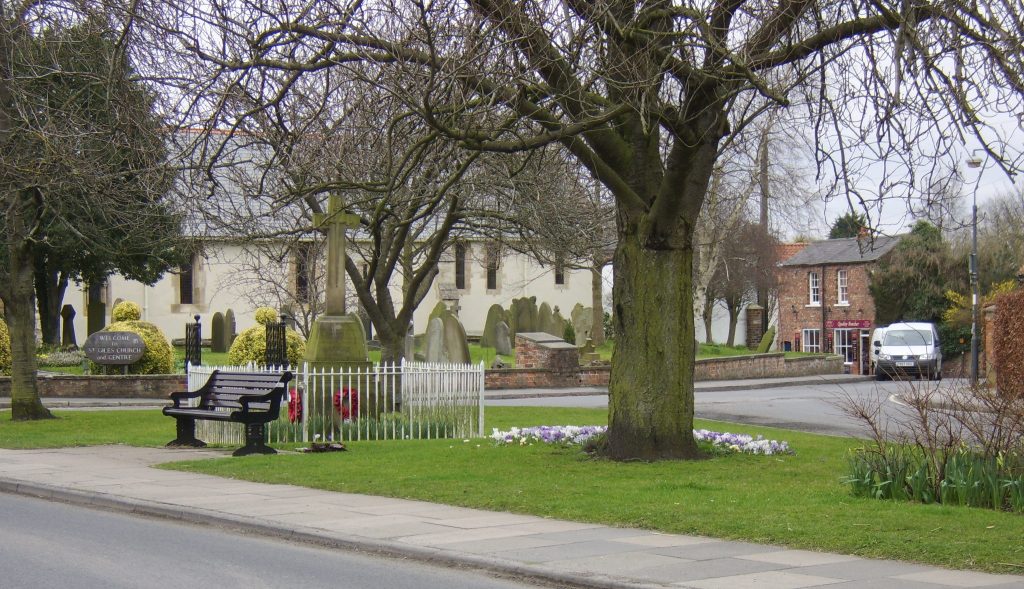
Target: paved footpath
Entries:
(561, 552)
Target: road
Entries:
(812, 408)
(47, 544)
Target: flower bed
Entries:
(575, 435)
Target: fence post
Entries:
(193, 343)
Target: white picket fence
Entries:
(409, 400)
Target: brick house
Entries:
(824, 302)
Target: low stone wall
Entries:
(773, 365)
(133, 386)
(812, 366)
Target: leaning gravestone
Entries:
(582, 323)
(495, 315)
(217, 339)
(439, 309)
(544, 320)
(502, 340)
(435, 340)
(557, 324)
(230, 331)
(67, 336)
(455, 345)
(526, 315)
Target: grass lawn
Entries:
(796, 500)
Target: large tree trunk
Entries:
(50, 286)
(392, 345)
(650, 412)
(21, 317)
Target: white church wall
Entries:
(228, 276)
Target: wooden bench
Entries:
(251, 398)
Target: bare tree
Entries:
(644, 95)
(557, 214)
(79, 146)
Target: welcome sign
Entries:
(114, 347)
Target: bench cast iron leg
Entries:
(254, 441)
(186, 434)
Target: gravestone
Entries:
(435, 340)
(218, 337)
(582, 323)
(558, 324)
(410, 344)
(526, 315)
(67, 336)
(495, 315)
(544, 320)
(439, 309)
(589, 355)
(502, 339)
(455, 345)
(230, 330)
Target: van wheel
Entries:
(880, 374)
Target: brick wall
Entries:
(134, 386)
(541, 350)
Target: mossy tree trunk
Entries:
(19, 309)
(650, 408)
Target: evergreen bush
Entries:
(5, 349)
(126, 311)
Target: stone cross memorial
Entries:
(337, 339)
(336, 221)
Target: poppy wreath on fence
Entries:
(346, 402)
(294, 405)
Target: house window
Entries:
(492, 268)
(559, 273)
(842, 288)
(185, 279)
(844, 344)
(814, 288)
(303, 271)
(811, 340)
(460, 266)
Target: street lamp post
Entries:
(974, 162)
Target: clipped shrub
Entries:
(5, 349)
(266, 316)
(158, 358)
(126, 311)
(569, 332)
(251, 345)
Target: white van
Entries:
(908, 349)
